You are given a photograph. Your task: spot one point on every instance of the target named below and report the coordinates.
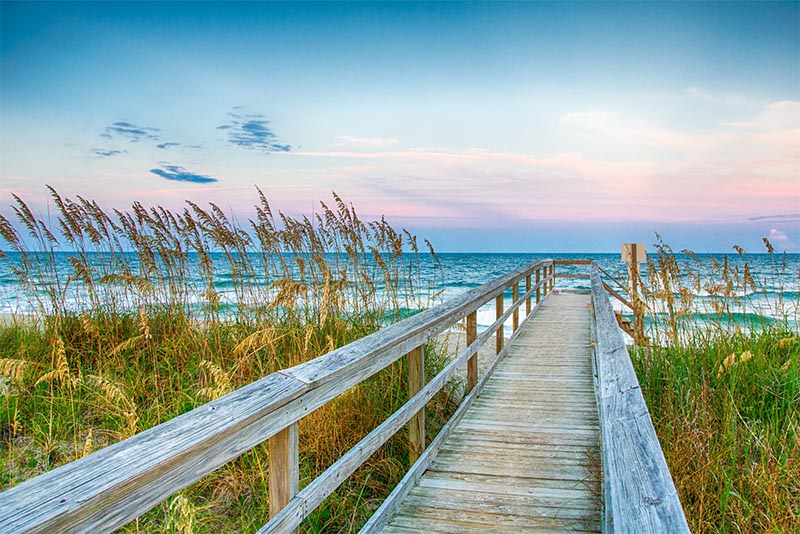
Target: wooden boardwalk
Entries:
(526, 455)
(524, 451)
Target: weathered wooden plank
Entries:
(420, 510)
(381, 516)
(472, 363)
(549, 491)
(107, 489)
(284, 473)
(312, 495)
(527, 292)
(515, 317)
(416, 426)
(499, 337)
(549, 455)
(638, 489)
(573, 262)
(524, 506)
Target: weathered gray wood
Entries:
(472, 363)
(393, 501)
(508, 465)
(500, 335)
(617, 295)
(639, 493)
(538, 281)
(527, 291)
(113, 486)
(106, 489)
(416, 426)
(284, 468)
(515, 317)
(572, 262)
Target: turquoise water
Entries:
(777, 278)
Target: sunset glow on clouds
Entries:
(546, 124)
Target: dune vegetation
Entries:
(132, 318)
(723, 391)
(127, 319)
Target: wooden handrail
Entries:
(638, 492)
(313, 494)
(619, 284)
(617, 295)
(111, 487)
(572, 262)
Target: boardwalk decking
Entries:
(525, 457)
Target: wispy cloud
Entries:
(779, 238)
(106, 153)
(252, 131)
(130, 131)
(165, 146)
(179, 174)
(783, 217)
(780, 114)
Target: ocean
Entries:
(773, 295)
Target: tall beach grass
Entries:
(723, 388)
(134, 317)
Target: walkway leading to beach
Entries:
(526, 455)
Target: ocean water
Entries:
(777, 279)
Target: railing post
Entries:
(416, 381)
(527, 290)
(284, 476)
(515, 315)
(500, 336)
(538, 287)
(552, 276)
(472, 363)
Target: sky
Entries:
(484, 127)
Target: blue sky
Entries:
(497, 127)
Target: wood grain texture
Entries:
(109, 488)
(524, 457)
(500, 335)
(639, 492)
(472, 363)
(284, 473)
(416, 426)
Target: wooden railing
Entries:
(117, 484)
(638, 493)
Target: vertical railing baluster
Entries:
(538, 287)
(515, 315)
(527, 290)
(284, 474)
(416, 381)
(472, 363)
(500, 336)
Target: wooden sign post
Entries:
(633, 254)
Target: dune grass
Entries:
(141, 316)
(724, 396)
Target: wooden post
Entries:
(538, 287)
(284, 476)
(416, 381)
(552, 276)
(472, 363)
(633, 254)
(528, 300)
(500, 336)
(515, 315)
